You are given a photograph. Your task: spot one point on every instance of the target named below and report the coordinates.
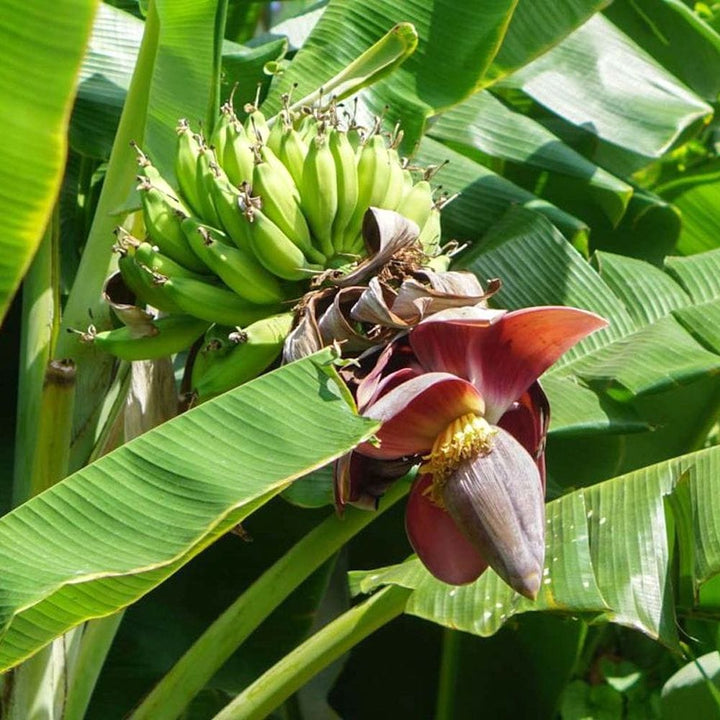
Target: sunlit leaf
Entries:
(537, 26)
(600, 80)
(647, 293)
(484, 196)
(699, 275)
(577, 410)
(660, 28)
(653, 359)
(38, 68)
(695, 195)
(539, 267)
(108, 534)
(483, 123)
(702, 321)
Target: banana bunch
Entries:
(260, 212)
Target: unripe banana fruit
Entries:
(320, 192)
(263, 211)
(165, 336)
(237, 268)
(256, 347)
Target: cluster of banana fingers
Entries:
(259, 213)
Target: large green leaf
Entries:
(536, 26)
(653, 359)
(699, 275)
(484, 196)
(464, 37)
(661, 28)
(695, 194)
(608, 556)
(600, 80)
(104, 79)
(39, 58)
(105, 536)
(578, 410)
(648, 293)
(484, 124)
(703, 323)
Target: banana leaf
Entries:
(34, 115)
(105, 536)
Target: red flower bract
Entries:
(459, 393)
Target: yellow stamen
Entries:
(464, 438)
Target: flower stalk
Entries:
(315, 654)
(172, 694)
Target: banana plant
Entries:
(215, 161)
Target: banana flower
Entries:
(459, 394)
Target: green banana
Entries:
(259, 346)
(308, 128)
(320, 192)
(408, 181)
(277, 130)
(215, 342)
(431, 232)
(373, 170)
(283, 178)
(207, 171)
(186, 161)
(279, 204)
(214, 303)
(417, 203)
(355, 138)
(275, 250)
(396, 182)
(219, 138)
(153, 175)
(227, 199)
(347, 183)
(256, 125)
(238, 269)
(151, 258)
(163, 216)
(139, 282)
(173, 334)
(238, 158)
(292, 152)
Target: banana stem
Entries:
(189, 675)
(445, 707)
(221, 12)
(97, 637)
(40, 682)
(40, 323)
(85, 296)
(316, 653)
(52, 451)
